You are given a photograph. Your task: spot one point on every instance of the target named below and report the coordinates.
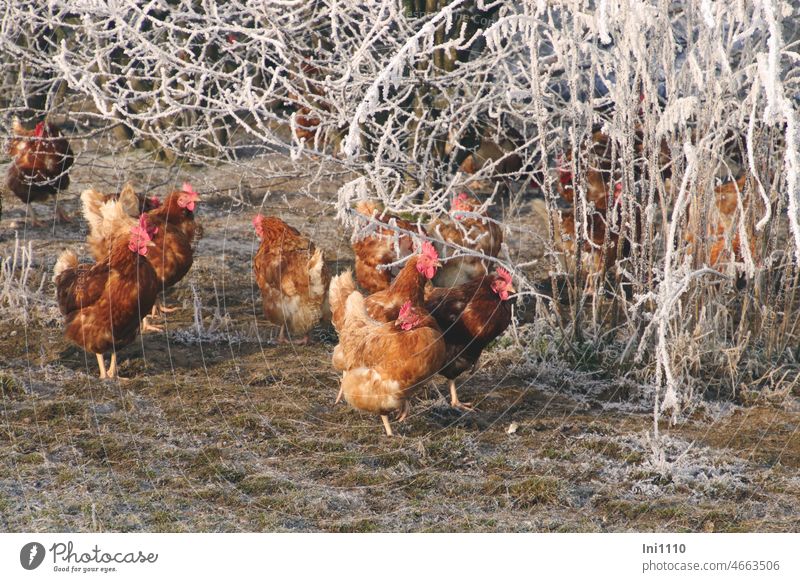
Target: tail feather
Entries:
(93, 201)
(320, 279)
(315, 266)
(67, 260)
(365, 389)
(342, 286)
(129, 201)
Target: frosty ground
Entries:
(220, 429)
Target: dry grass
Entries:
(230, 432)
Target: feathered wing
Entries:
(77, 285)
(371, 253)
(481, 235)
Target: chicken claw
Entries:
(150, 327)
(282, 339)
(112, 369)
(404, 411)
(62, 216)
(455, 402)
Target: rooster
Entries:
(41, 160)
(470, 229)
(376, 250)
(292, 276)
(383, 364)
(173, 256)
(409, 285)
(471, 316)
(103, 303)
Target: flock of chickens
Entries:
(434, 315)
(422, 320)
(408, 325)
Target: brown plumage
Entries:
(40, 163)
(308, 93)
(597, 255)
(597, 188)
(500, 153)
(477, 233)
(109, 214)
(174, 225)
(383, 364)
(378, 249)
(133, 204)
(103, 303)
(175, 238)
(470, 316)
(409, 285)
(722, 231)
(292, 276)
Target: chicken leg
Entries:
(159, 306)
(282, 339)
(404, 411)
(62, 216)
(102, 365)
(455, 402)
(386, 425)
(32, 220)
(112, 368)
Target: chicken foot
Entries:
(62, 216)
(147, 326)
(282, 339)
(455, 402)
(158, 309)
(31, 218)
(112, 368)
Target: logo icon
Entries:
(31, 555)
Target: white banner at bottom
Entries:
(390, 557)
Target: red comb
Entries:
(429, 250)
(503, 274)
